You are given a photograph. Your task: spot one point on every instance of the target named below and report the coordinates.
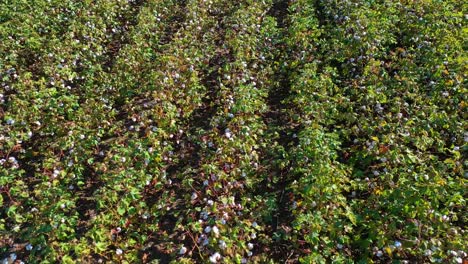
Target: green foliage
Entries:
(233, 131)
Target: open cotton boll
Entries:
(182, 250)
(215, 257)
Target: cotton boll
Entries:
(182, 250)
(215, 257)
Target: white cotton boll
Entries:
(194, 196)
(204, 215)
(208, 229)
(145, 216)
(182, 250)
(397, 244)
(250, 246)
(222, 244)
(215, 230)
(29, 247)
(10, 121)
(215, 257)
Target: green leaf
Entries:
(67, 260)
(351, 216)
(121, 210)
(101, 246)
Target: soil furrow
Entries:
(282, 130)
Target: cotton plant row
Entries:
(318, 210)
(400, 104)
(358, 168)
(221, 225)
